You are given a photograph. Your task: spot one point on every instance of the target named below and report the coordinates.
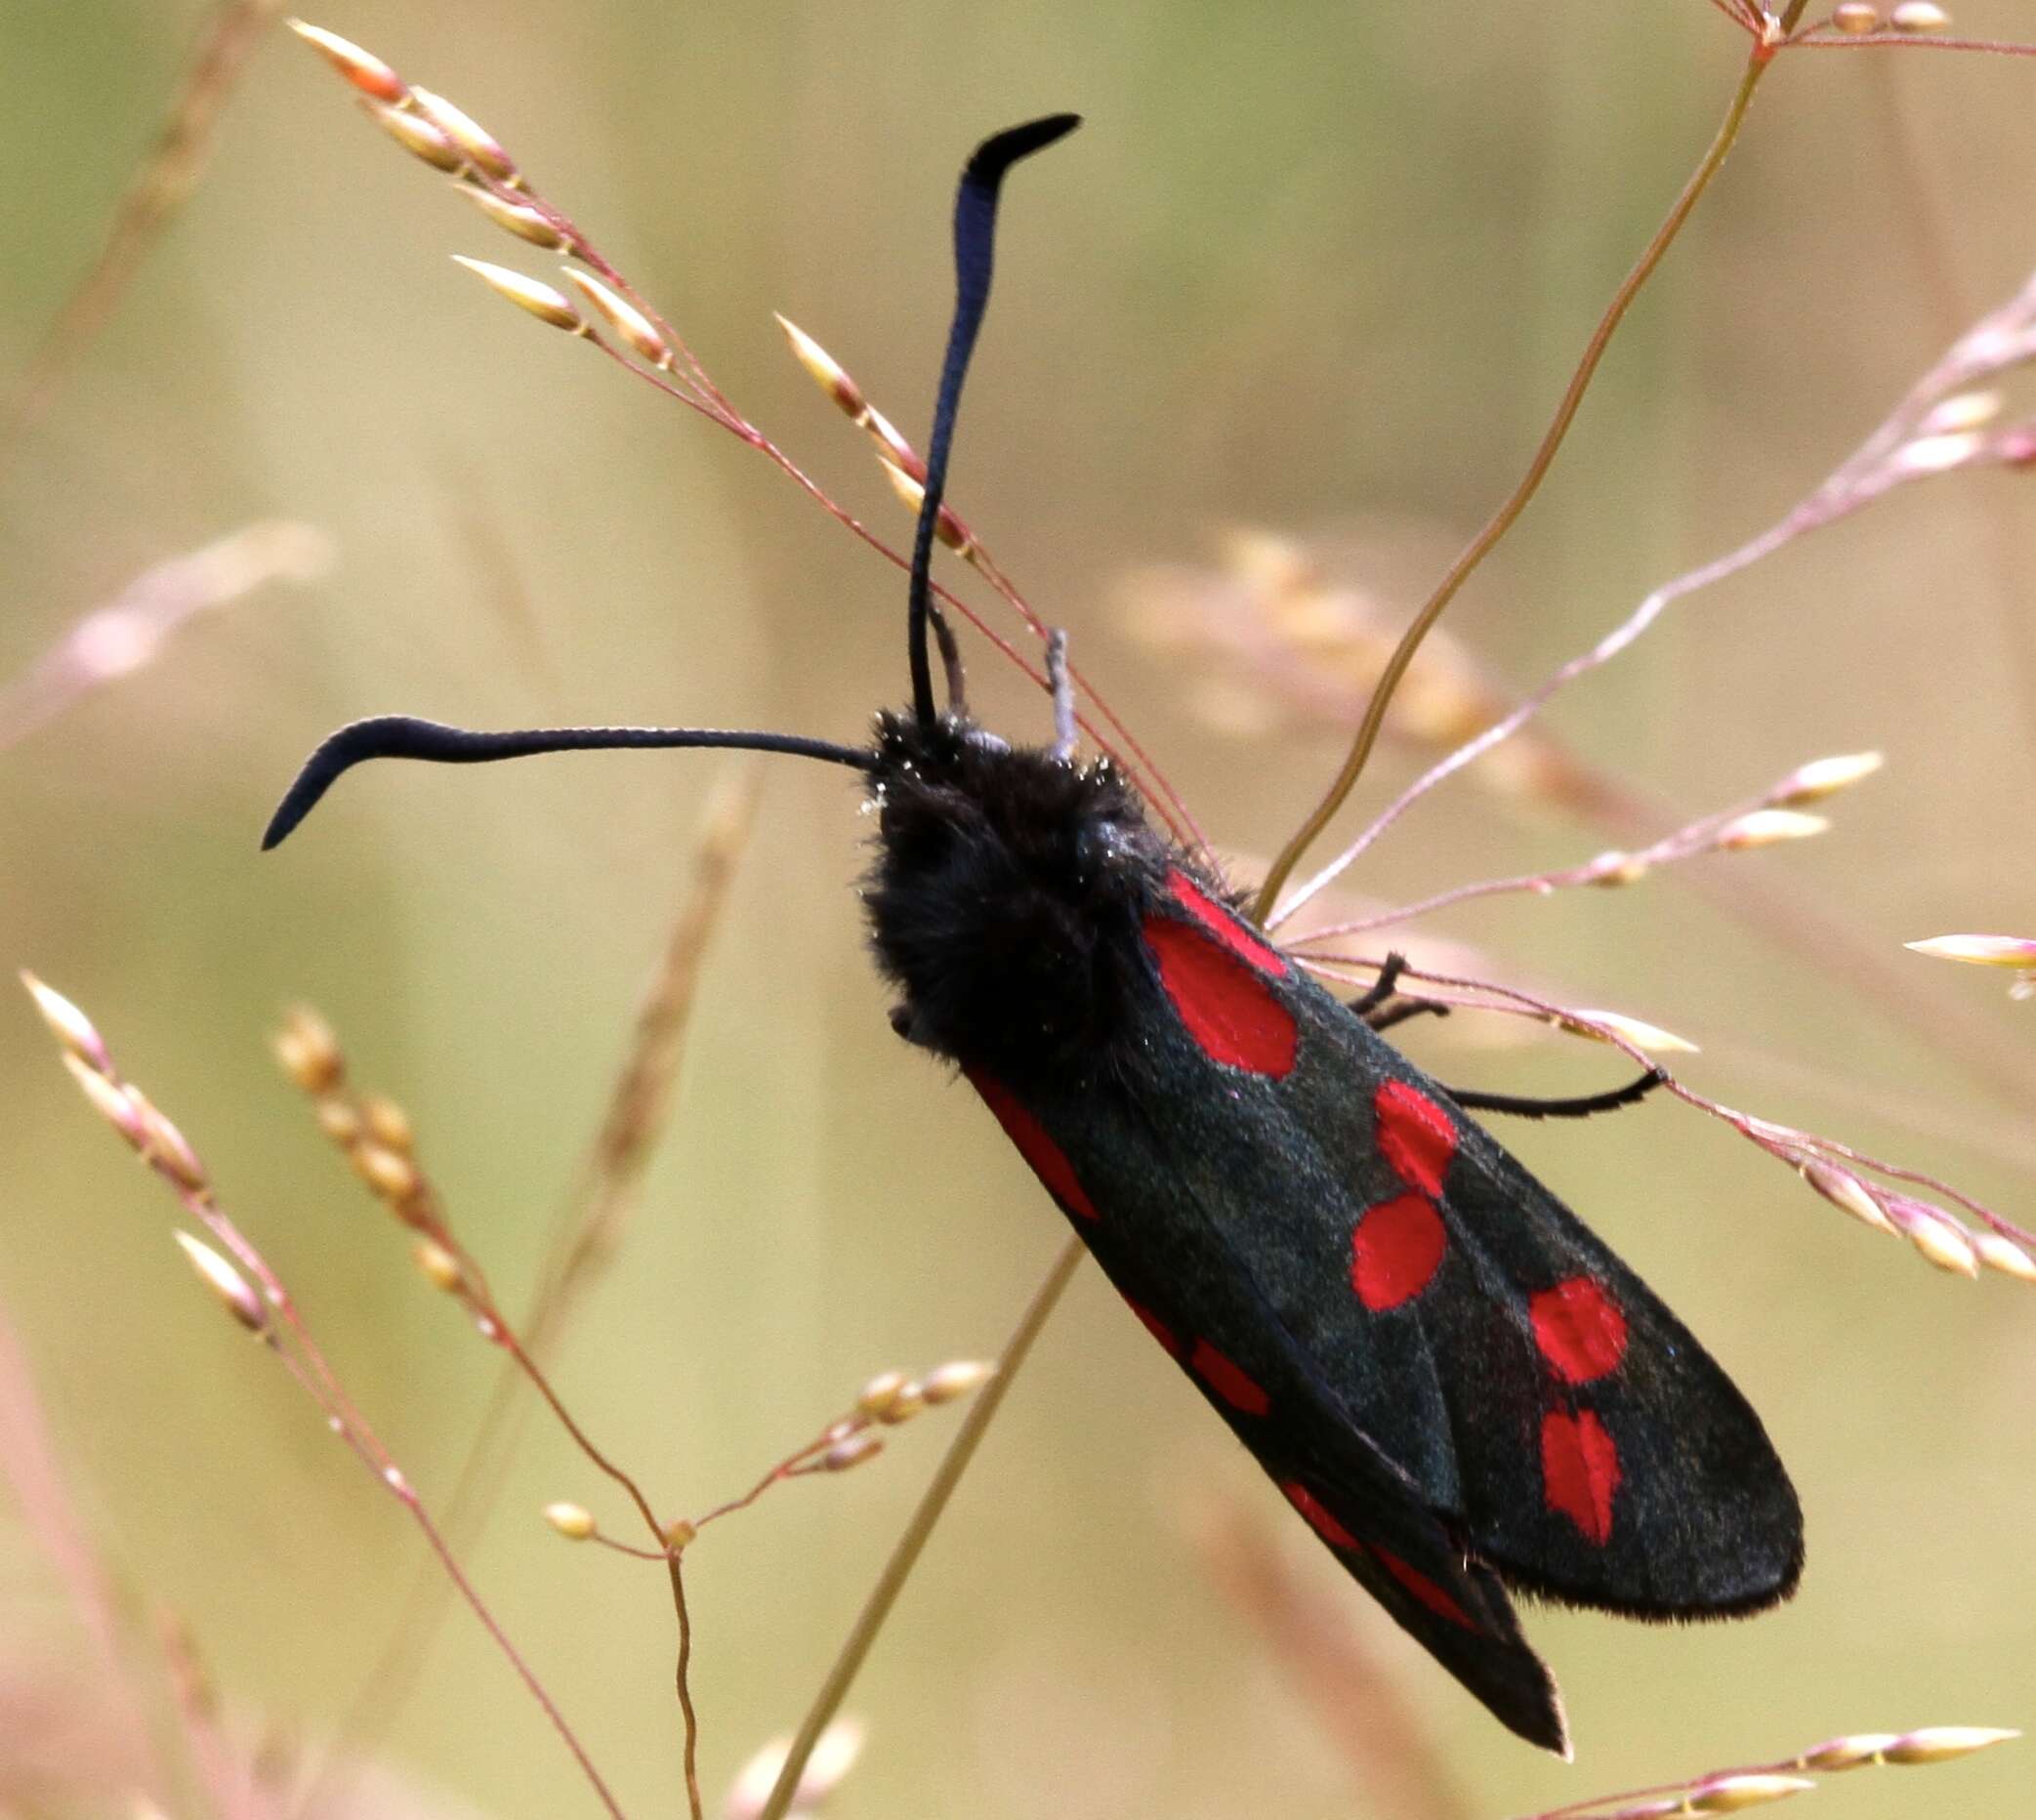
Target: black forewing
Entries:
(1228, 1201)
(1160, 1236)
(1703, 1518)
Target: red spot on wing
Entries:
(1154, 1326)
(1228, 1380)
(1396, 1247)
(1580, 1471)
(1434, 1597)
(1049, 1162)
(1225, 927)
(1318, 1515)
(1233, 1016)
(1415, 1136)
(1579, 1330)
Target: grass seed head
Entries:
(440, 1269)
(1978, 950)
(1851, 1752)
(1731, 1794)
(309, 1052)
(225, 1282)
(824, 369)
(959, 1377)
(877, 1395)
(517, 218)
(167, 1147)
(481, 148)
(366, 71)
(417, 136)
(624, 317)
(388, 1124)
(1943, 1244)
(2005, 1255)
(109, 1099)
(913, 493)
(1962, 410)
(1823, 777)
(833, 1755)
(852, 1452)
(540, 300)
(1939, 1744)
(70, 1025)
(390, 1174)
(884, 430)
(1919, 16)
(1847, 1192)
(1856, 18)
(1765, 827)
(1615, 868)
(296, 1060)
(1928, 455)
(574, 1522)
(1651, 1038)
(2015, 951)
(907, 1403)
(339, 1121)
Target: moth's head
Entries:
(1006, 891)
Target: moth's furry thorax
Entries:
(1005, 897)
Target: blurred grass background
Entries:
(1305, 261)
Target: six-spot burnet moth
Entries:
(1457, 1386)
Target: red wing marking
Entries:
(1318, 1517)
(1580, 1471)
(1154, 1326)
(1415, 1136)
(1233, 1016)
(1225, 927)
(1579, 1330)
(1048, 1160)
(1424, 1588)
(1228, 1380)
(1396, 1250)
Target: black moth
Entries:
(1451, 1380)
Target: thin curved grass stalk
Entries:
(130, 631)
(1522, 494)
(905, 1556)
(265, 1307)
(1942, 426)
(587, 1230)
(160, 187)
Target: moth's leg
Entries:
(1374, 1006)
(1581, 1108)
(1382, 988)
(1063, 694)
(1405, 1009)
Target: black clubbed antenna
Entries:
(400, 736)
(974, 245)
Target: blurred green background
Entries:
(1306, 262)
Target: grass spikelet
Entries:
(636, 329)
(1732, 1790)
(362, 69)
(549, 306)
(226, 1283)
